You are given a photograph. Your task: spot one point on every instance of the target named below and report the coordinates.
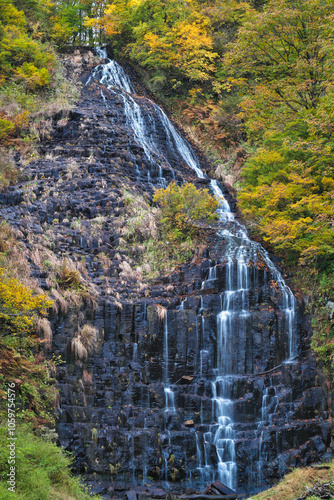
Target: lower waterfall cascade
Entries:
(207, 374)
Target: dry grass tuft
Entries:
(89, 337)
(141, 222)
(7, 237)
(118, 305)
(295, 484)
(129, 274)
(65, 277)
(162, 313)
(13, 260)
(68, 276)
(84, 343)
(78, 350)
(60, 304)
(72, 168)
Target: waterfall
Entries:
(111, 74)
(147, 122)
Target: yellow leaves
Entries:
(282, 231)
(162, 35)
(181, 206)
(33, 77)
(292, 203)
(194, 55)
(186, 47)
(10, 16)
(61, 31)
(7, 128)
(267, 157)
(328, 183)
(110, 22)
(19, 305)
(156, 44)
(136, 3)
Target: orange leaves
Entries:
(110, 22)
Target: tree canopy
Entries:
(281, 63)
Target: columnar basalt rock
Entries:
(114, 414)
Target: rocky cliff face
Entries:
(204, 373)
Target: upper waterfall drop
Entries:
(112, 74)
(143, 124)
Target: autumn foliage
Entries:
(181, 207)
(282, 65)
(19, 306)
(176, 41)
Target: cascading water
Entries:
(111, 74)
(169, 394)
(148, 122)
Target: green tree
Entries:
(281, 64)
(282, 60)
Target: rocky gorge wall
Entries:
(158, 401)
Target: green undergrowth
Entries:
(28, 115)
(32, 83)
(42, 469)
(23, 363)
(297, 483)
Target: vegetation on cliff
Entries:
(32, 83)
(42, 469)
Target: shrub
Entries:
(6, 129)
(33, 77)
(181, 207)
(19, 306)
